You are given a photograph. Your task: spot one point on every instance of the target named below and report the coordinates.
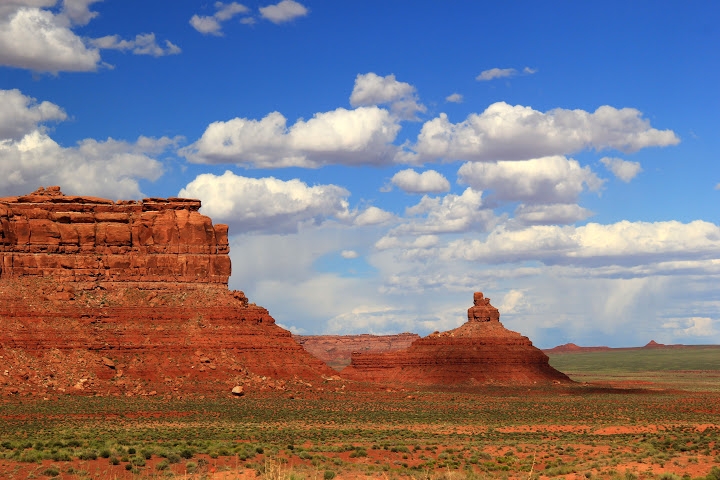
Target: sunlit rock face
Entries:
(481, 351)
(128, 297)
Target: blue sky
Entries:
(377, 162)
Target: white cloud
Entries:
(349, 254)
(206, 25)
(622, 169)
(362, 136)
(211, 24)
(284, 11)
(454, 98)
(373, 216)
(512, 301)
(494, 73)
(541, 180)
(21, 114)
(691, 327)
(266, 204)
(372, 89)
(529, 71)
(556, 213)
(624, 243)
(109, 168)
(78, 11)
(429, 181)
(38, 40)
(29, 158)
(143, 44)
(448, 214)
(35, 38)
(505, 132)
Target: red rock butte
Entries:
(130, 297)
(481, 351)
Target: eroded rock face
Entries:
(86, 239)
(336, 350)
(130, 298)
(481, 351)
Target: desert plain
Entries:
(124, 355)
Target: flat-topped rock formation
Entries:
(86, 239)
(102, 297)
(336, 350)
(481, 351)
(573, 348)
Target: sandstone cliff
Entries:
(336, 350)
(102, 297)
(481, 351)
(86, 239)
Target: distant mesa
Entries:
(572, 348)
(130, 298)
(481, 351)
(336, 350)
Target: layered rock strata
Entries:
(481, 351)
(336, 350)
(86, 239)
(130, 298)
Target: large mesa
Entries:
(481, 351)
(129, 297)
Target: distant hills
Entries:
(573, 348)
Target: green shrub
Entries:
(51, 471)
(164, 465)
(328, 475)
(88, 455)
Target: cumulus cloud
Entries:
(593, 245)
(362, 136)
(37, 39)
(622, 169)
(211, 24)
(143, 44)
(448, 214)
(21, 114)
(372, 89)
(505, 132)
(494, 73)
(373, 216)
(557, 213)
(553, 179)
(691, 327)
(454, 98)
(30, 158)
(78, 11)
(110, 168)
(429, 181)
(284, 11)
(349, 254)
(266, 205)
